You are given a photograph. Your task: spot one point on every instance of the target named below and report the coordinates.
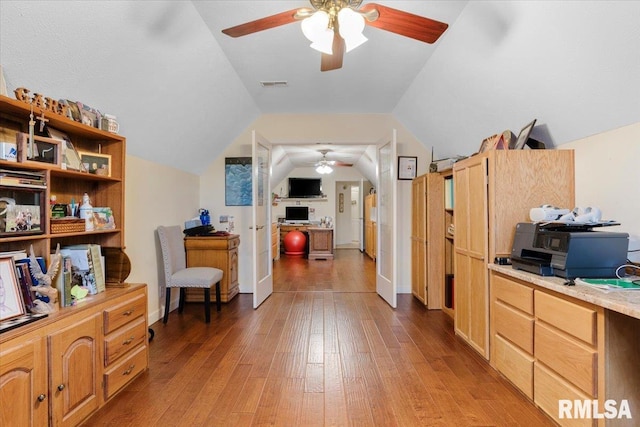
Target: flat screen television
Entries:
(296, 214)
(305, 188)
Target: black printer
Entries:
(568, 250)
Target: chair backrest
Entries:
(173, 255)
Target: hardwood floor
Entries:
(324, 349)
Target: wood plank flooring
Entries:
(323, 350)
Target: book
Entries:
(24, 279)
(63, 282)
(28, 276)
(87, 266)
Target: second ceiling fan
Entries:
(335, 26)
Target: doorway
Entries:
(349, 215)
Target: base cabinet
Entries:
(219, 252)
(370, 230)
(320, 243)
(51, 370)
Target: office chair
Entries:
(178, 275)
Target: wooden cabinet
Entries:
(493, 192)
(51, 370)
(104, 191)
(275, 241)
(219, 252)
(427, 239)
(370, 230)
(548, 345)
(320, 243)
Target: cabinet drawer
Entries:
(569, 317)
(124, 371)
(119, 315)
(123, 340)
(514, 364)
(549, 389)
(233, 243)
(514, 326)
(512, 293)
(574, 361)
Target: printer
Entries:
(568, 250)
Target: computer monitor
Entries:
(297, 214)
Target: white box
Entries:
(9, 151)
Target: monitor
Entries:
(297, 214)
(305, 188)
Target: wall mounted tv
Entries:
(305, 188)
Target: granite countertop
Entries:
(625, 302)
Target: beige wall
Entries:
(155, 195)
(608, 175)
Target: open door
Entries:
(386, 265)
(261, 225)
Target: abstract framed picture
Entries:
(237, 181)
(11, 304)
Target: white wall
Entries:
(608, 175)
(154, 195)
(335, 128)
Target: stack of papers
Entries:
(611, 284)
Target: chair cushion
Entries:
(196, 277)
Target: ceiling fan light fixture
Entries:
(324, 169)
(324, 43)
(314, 26)
(351, 25)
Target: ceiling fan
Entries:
(324, 165)
(335, 26)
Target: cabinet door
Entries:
(23, 384)
(74, 364)
(419, 238)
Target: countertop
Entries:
(625, 302)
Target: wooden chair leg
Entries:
(181, 300)
(207, 305)
(218, 302)
(167, 291)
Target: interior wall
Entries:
(154, 195)
(607, 176)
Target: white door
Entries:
(386, 274)
(361, 215)
(261, 225)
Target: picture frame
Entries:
(95, 163)
(407, 167)
(523, 136)
(237, 181)
(70, 157)
(11, 304)
(44, 150)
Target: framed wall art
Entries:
(96, 163)
(237, 181)
(407, 167)
(11, 304)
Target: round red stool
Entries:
(295, 243)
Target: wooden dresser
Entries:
(320, 243)
(219, 252)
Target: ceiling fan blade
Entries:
(334, 61)
(263, 23)
(404, 23)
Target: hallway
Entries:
(322, 350)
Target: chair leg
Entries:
(167, 291)
(218, 302)
(181, 300)
(207, 305)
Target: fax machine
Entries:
(568, 251)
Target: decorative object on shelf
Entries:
(22, 218)
(96, 163)
(67, 225)
(407, 167)
(43, 286)
(40, 149)
(11, 304)
(109, 123)
(86, 212)
(205, 217)
(42, 102)
(103, 219)
(237, 181)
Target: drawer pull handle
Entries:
(42, 397)
(127, 342)
(128, 313)
(128, 371)
(61, 387)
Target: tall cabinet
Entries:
(370, 226)
(427, 239)
(493, 192)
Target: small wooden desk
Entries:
(214, 251)
(320, 242)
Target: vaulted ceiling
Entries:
(183, 91)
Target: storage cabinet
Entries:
(427, 239)
(320, 243)
(493, 192)
(219, 252)
(370, 231)
(275, 241)
(51, 370)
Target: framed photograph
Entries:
(99, 164)
(407, 167)
(11, 304)
(523, 136)
(43, 150)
